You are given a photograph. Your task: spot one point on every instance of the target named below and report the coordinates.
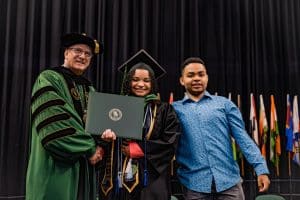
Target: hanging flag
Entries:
(233, 144)
(296, 132)
(238, 150)
(263, 126)
(289, 131)
(229, 96)
(289, 125)
(253, 120)
(171, 99)
(275, 147)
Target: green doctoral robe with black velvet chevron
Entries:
(58, 165)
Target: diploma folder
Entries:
(122, 114)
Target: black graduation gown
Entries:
(160, 150)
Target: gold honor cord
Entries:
(148, 135)
(107, 182)
(130, 185)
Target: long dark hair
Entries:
(128, 78)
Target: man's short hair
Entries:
(191, 60)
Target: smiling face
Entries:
(194, 78)
(141, 83)
(78, 58)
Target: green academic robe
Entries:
(58, 164)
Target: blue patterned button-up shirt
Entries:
(205, 152)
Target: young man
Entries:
(206, 165)
(62, 154)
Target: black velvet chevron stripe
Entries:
(55, 118)
(58, 134)
(41, 91)
(48, 104)
(75, 118)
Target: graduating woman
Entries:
(141, 169)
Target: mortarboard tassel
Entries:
(145, 177)
(97, 47)
(145, 160)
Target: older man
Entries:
(63, 155)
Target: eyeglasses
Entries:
(79, 52)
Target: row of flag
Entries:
(260, 131)
(292, 130)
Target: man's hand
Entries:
(263, 183)
(108, 135)
(98, 155)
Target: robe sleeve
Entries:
(56, 122)
(164, 139)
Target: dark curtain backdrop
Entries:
(248, 46)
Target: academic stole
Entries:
(107, 181)
(131, 166)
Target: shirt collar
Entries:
(186, 98)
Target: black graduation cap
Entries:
(143, 57)
(81, 38)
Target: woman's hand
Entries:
(108, 135)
